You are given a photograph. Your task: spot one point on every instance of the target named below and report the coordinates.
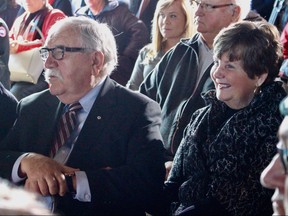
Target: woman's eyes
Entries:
(170, 16)
(229, 66)
(226, 66)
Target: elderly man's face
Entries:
(71, 77)
(209, 23)
(274, 177)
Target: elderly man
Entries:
(103, 156)
(183, 74)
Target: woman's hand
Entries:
(13, 46)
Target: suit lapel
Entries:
(97, 121)
(51, 111)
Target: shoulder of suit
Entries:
(39, 96)
(130, 95)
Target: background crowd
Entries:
(167, 107)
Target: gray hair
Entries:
(245, 6)
(93, 35)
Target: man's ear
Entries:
(97, 61)
(236, 13)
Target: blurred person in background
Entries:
(17, 201)
(24, 36)
(172, 21)
(4, 54)
(8, 11)
(63, 5)
(130, 33)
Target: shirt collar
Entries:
(88, 100)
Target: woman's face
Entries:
(233, 86)
(33, 5)
(172, 21)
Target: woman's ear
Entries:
(261, 79)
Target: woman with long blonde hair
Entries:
(172, 21)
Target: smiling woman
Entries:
(230, 141)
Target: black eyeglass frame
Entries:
(44, 50)
(283, 152)
(208, 7)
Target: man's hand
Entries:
(44, 175)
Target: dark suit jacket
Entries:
(121, 131)
(8, 105)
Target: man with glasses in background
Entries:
(183, 74)
(88, 145)
(276, 173)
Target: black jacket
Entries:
(4, 54)
(173, 85)
(121, 132)
(8, 105)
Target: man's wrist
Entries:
(22, 174)
(71, 182)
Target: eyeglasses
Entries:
(282, 148)
(59, 51)
(209, 7)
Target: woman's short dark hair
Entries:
(256, 44)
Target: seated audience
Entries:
(228, 143)
(183, 73)
(4, 54)
(107, 159)
(130, 33)
(8, 11)
(24, 36)
(63, 5)
(8, 105)
(172, 21)
(16, 201)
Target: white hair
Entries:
(93, 35)
(245, 6)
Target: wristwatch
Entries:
(69, 182)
